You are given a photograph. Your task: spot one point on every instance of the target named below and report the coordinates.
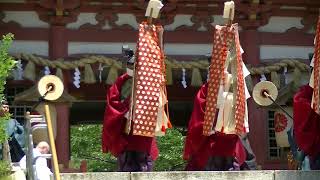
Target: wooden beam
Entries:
(31, 34)
(94, 35)
(18, 7)
(290, 38)
(59, 8)
(187, 37)
(180, 7)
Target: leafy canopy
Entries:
(86, 145)
(7, 63)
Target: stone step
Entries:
(192, 175)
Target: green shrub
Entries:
(6, 64)
(86, 145)
(4, 168)
(171, 150)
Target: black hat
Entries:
(128, 54)
(4, 102)
(208, 56)
(310, 56)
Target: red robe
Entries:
(114, 139)
(306, 122)
(199, 148)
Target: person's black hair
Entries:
(4, 102)
(208, 56)
(310, 56)
(128, 55)
(310, 59)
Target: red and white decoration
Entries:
(282, 124)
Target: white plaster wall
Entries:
(218, 20)
(187, 49)
(30, 47)
(25, 18)
(82, 19)
(116, 48)
(281, 24)
(128, 19)
(96, 47)
(277, 52)
(179, 20)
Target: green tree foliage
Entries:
(86, 145)
(4, 168)
(171, 150)
(6, 61)
(6, 64)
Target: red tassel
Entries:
(169, 125)
(163, 129)
(222, 129)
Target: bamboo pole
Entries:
(52, 143)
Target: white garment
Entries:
(162, 118)
(225, 100)
(311, 84)
(42, 172)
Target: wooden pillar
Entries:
(58, 48)
(258, 131)
(58, 43)
(250, 42)
(63, 134)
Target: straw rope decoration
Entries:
(171, 64)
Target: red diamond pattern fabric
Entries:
(240, 97)
(219, 56)
(316, 70)
(148, 81)
(223, 37)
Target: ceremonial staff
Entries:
(50, 88)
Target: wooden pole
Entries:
(29, 147)
(149, 20)
(59, 8)
(229, 23)
(52, 143)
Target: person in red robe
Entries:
(134, 153)
(307, 126)
(216, 152)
